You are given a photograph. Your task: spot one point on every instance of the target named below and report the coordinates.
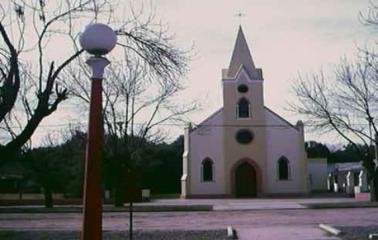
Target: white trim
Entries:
(237, 77)
(184, 177)
(249, 81)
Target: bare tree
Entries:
(26, 28)
(346, 104)
(136, 104)
(32, 33)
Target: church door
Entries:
(245, 180)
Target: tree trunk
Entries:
(119, 190)
(374, 179)
(374, 187)
(118, 196)
(19, 188)
(48, 198)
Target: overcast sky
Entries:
(285, 38)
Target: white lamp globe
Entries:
(98, 39)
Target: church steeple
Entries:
(241, 56)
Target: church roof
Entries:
(241, 58)
(205, 123)
(281, 118)
(207, 119)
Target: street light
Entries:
(97, 39)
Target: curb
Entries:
(338, 205)
(330, 229)
(78, 209)
(231, 233)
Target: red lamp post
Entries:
(97, 39)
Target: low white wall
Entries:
(317, 172)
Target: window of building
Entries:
(243, 108)
(207, 170)
(244, 136)
(242, 88)
(283, 168)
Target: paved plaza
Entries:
(252, 218)
(251, 204)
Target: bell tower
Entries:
(242, 80)
(244, 113)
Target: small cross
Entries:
(239, 15)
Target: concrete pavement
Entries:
(251, 204)
(283, 232)
(252, 218)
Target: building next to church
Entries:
(244, 149)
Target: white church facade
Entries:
(244, 149)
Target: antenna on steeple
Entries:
(239, 15)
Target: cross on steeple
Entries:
(239, 15)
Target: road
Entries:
(262, 224)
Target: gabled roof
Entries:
(281, 118)
(207, 119)
(241, 57)
(346, 166)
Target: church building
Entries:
(244, 149)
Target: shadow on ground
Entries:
(357, 232)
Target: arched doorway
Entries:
(245, 180)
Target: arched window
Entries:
(283, 168)
(207, 170)
(243, 108)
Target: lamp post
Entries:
(97, 39)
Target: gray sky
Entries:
(285, 38)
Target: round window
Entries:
(244, 136)
(242, 88)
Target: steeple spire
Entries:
(241, 56)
